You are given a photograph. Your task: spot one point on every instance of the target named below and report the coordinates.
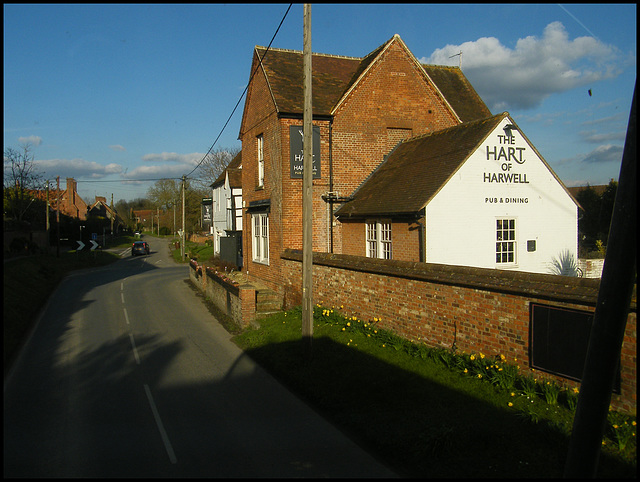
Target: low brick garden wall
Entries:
(471, 309)
(237, 301)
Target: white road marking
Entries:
(122, 297)
(126, 316)
(135, 350)
(163, 433)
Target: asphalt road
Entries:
(127, 374)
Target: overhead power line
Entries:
(243, 93)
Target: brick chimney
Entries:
(71, 191)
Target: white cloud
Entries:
(522, 77)
(605, 153)
(189, 159)
(33, 140)
(76, 168)
(117, 147)
(157, 172)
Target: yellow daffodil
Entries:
(472, 358)
(510, 404)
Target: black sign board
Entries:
(296, 150)
(559, 339)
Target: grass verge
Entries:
(416, 409)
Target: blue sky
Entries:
(111, 92)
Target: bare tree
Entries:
(213, 165)
(20, 180)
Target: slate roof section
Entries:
(334, 75)
(417, 169)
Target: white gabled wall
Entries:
(504, 178)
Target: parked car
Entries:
(140, 247)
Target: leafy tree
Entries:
(594, 222)
(607, 199)
(164, 193)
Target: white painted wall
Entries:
(461, 218)
(221, 196)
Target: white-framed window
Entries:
(260, 237)
(505, 241)
(379, 239)
(260, 140)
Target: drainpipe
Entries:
(331, 184)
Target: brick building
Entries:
(362, 107)
(482, 177)
(71, 204)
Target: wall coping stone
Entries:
(542, 286)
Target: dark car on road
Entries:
(140, 247)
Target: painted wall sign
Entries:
(509, 156)
(296, 150)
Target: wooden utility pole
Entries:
(58, 215)
(183, 209)
(609, 321)
(307, 190)
(47, 227)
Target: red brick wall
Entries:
(392, 101)
(405, 239)
(439, 313)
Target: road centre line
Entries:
(126, 316)
(163, 433)
(135, 350)
(122, 297)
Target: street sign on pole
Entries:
(80, 245)
(95, 245)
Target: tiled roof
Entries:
(234, 166)
(416, 170)
(599, 189)
(460, 94)
(334, 75)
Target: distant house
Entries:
(476, 194)
(227, 211)
(599, 189)
(100, 208)
(71, 204)
(143, 218)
